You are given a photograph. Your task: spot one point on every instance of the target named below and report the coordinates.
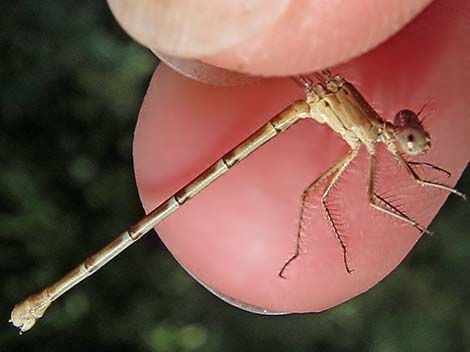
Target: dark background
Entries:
(71, 86)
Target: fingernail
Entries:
(206, 73)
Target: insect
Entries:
(332, 101)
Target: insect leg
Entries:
(390, 209)
(332, 170)
(431, 166)
(303, 82)
(415, 176)
(323, 75)
(329, 217)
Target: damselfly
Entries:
(332, 101)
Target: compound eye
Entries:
(413, 141)
(406, 118)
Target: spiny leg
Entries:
(303, 199)
(395, 212)
(324, 75)
(333, 169)
(331, 82)
(328, 83)
(350, 156)
(391, 210)
(431, 166)
(303, 82)
(415, 176)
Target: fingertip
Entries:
(270, 38)
(237, 233)
(192, 29)
(312, 35)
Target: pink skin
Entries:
(265, 37)
(332, 34)
(237, 233)
(194, 28)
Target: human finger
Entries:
(265, 38)
(238, 232)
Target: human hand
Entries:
(236, 234)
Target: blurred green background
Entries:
(72, 83)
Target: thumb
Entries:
(265, 37)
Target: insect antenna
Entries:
(421, 121)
